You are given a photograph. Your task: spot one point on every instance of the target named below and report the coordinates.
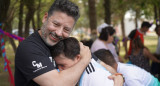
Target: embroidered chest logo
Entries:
(38, 65)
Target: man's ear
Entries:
(45, 17)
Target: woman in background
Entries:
(104, 41)
(141, 55)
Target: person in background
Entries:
(33, 62)
(155, 67)
(105, 41)
(141, 55)
(135, 33)
(133, 75)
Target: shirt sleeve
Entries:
(133, 82)
(33, 61)
(96, 79)
(132, 34)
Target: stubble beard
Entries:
(44, 34)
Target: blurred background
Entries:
(23, 17)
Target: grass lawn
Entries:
(150, 42)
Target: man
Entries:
(66, 53)
(157, 30)
(33, 61)
(135, 33)
(155, 68)
(133, 75)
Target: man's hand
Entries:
(118, 79)
(85, 53)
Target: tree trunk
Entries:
(136, 20)
(155, 14)
(8, 27)
(33, 24)
(159, 15)
(20, 25)
(31, 9)
(92, 17)
(4, 6)
(122, 26)
(107, 7)
(27, 22)
(38, 15)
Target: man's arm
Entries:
(68, 77)
(133, 82)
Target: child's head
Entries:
(137, 43)
(157, 29)
(66, 53)
(105, 56)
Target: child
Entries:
(133, 75)
(66, 53)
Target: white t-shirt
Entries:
(95, 75)
(98, 44)
(136, 76)
(158, 46)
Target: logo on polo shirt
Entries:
(38, 65)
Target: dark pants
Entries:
(155, 67)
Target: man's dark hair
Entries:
(105, 56)
(69, 47)
(145, 24)
(65, 6)
(105, 32)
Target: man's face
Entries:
(63, 62)
(56, 27)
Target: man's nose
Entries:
(59, 31)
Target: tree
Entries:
(20, 25)
(107, 6)
(30, 4)
(4, 6)
(92, 17)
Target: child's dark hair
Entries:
(65, 6)
(105, 56)
(69, 47)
